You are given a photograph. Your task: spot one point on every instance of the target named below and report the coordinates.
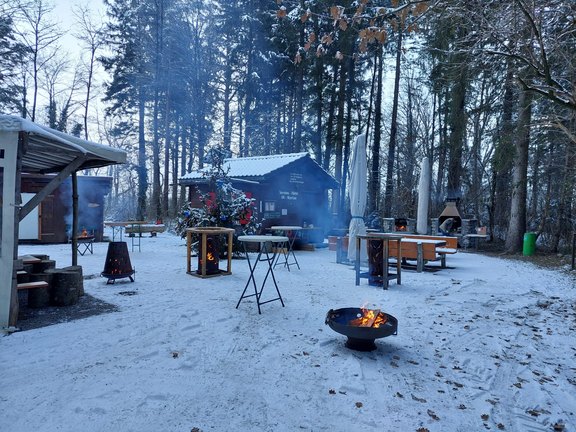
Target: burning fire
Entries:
(369, 318)
(84, 233)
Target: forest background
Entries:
(485, 89)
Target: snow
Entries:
(488, 344)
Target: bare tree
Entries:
(40, 35)
(90, 33)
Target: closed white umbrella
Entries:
(423, 198)
(357, 192)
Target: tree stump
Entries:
(77, 269)
(44, 265)
(40, 297)
(66, 286)
(41, 256)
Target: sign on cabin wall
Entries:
(290, 196)
(296, 178)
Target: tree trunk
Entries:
(389, 191)
(457, 120)
(442, 153)
(319, 90)
(167, 164)
(504, 156)
(227, 101)
(517, 225)
(173, 210)
(374, 183)
(142, 171)
(339, 139)
(328, 149)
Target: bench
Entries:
(32, 285)
(450, 248)
(417, 251)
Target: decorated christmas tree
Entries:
(222, 206)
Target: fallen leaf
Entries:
(417, 399)
(359, 405)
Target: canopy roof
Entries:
(40, 150)
(50, 151)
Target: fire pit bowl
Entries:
(361, 335)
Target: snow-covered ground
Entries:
(489, 344)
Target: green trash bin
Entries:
(529, 246)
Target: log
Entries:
(44, 265)
(66, 286)
(41, 256)
(22, 276)
(39, 297)
(77, 269)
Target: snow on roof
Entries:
(49, 150)
(255, 166)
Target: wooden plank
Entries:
(32, 285)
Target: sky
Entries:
(486, 344)
(63, 13)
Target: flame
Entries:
(84, 233)
(369, 318)
(210, 256)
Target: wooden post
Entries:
(74, 219)
(10, 165)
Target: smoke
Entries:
(91, 193)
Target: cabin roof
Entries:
(260, 168)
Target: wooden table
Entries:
(385, 238)
(204, 232)
(268, 247)
(118, 228)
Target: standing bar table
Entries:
(267, 250)
(287, 230)
(385, 238)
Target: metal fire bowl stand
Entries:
(359, 338)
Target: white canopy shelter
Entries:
(26, 147)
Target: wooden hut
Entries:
(289, 189)
(51, 221)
